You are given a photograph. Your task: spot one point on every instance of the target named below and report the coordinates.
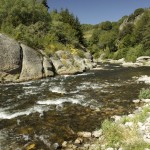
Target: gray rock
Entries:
(64, 144)
(84, 134)
(32, 64)
(136, 101)
(88, 55)
(110, 148)
(66, 63)
(48, 68)
(145, 60)
(55, 146)
(10, 55)
(97, 134)
(78, 140)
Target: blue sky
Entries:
(96, 11)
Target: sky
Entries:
(96, 11)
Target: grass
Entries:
(116, 135)
(144, 93)
(112, 133)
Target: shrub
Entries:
(51, 48)
(134, 53)
(121, 53)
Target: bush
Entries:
(121, 53)
(53, 47)
(134, 53)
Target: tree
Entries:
(106, 25)
(44, 2)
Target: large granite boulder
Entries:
(10, 55)
(32, 65)
(65, 63)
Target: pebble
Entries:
(117, 118)
(56, 146)
(146, 100)
(110, 148)
(84, 134)
(97, 134)
(78, 141)
(64, 144)
(136, 101)
(129, 124)
(93, 147)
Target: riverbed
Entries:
(49, 111)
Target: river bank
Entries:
(131, 132)
(127, 132)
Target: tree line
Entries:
(30, 22)
(128, 38)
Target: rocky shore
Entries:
(135, 129)
(21, 63)
(141, 61)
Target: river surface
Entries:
(53, 110)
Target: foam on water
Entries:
(8, 115)
(30, 87)
(57, 89)
(145, 79)
(59, 101)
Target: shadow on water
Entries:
(52, 110)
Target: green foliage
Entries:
(128, 29)
(134, 52)
(136, 13)
(106, 25)
(144, 94)
(140, 145)
(121, 53)
(130, 41)
(112, 133)
(30, 22)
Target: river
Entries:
(52, 110)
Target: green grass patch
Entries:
(144, 93)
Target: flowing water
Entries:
(49, 111)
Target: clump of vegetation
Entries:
(116, 135)
(144, 94)
(112, 133)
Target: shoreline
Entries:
(136, 126)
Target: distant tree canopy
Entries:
(30, 22)
(131, 41)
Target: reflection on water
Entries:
(52, 110)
